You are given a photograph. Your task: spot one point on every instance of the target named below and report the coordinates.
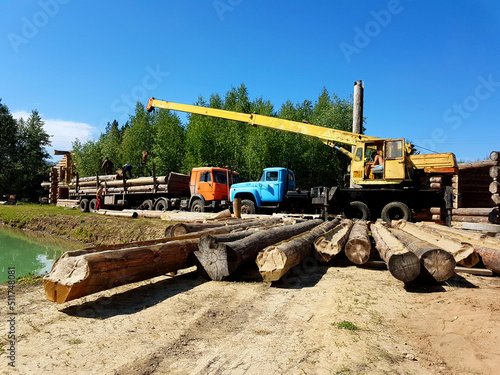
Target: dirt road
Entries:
(186, 325)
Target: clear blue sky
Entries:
(431, 69)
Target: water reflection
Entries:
(30, 251)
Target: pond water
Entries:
(30, 251)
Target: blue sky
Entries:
(431, 69)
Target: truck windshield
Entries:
(269, 176)
(220, 177)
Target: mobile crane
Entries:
(395, 192)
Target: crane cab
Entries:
(381, 162)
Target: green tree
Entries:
(168, 151)
(8, 149)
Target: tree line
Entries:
(24, 159)
(203, 140)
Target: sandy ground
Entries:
(186, 325)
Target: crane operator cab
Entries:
(380, 162)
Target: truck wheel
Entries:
(84, 205)
(147, 204)
(357, 210)
(161, 205)
(197, 206)
(396, 211)
(247, 206)
(93, 205)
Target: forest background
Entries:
(177, 147)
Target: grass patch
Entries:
(75, 341)
(345, 324)
(29, 279)
(344, 370)
(2, 350)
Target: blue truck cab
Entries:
(269, 191)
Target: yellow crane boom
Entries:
(328, 136)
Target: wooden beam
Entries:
(358, 246)
(329, 245)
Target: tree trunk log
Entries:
(471, 211)
(476, 164)
(237, 208)
(82, 272)
(402, 263)
(496, 199)
(494, 172)
(117, 213)
(331, 243)
(494, 187)
(495, 155)
(486, 246)
(435, 263)
(219, 260)
(463, 252)
(470, 219)
(358, 247)
(275, 260)
(183, 228)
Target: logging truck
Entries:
(405, 184)
(205, 189)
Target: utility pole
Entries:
(357, 115)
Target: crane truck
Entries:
(393, 192)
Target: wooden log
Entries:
(329, 245)
(435, 263)
(82, 272)
(463, 252)
(435, 185)
(436, 179)
(470, 219)
(183, 228)
(402, 263)
(494, 172)
(477, 164)
(275, 260)
(219, 260)
(436, 217)
(473, 211)
(358, 246)
(436, 210)
(117, 213)
(224, 214)
(494, 187)
(495, 155)
(496, 199)
(474, 271)
(486, 246)
(237, 208)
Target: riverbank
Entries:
(87, 228)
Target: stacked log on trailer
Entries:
(175, 183)
(476, 191)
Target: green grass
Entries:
(345, 324)
(29, 279)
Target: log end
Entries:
(271, 263)
(437, 264)
(404, 267)
(358, 251)
(213, 257)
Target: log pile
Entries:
(219, 250)
(175, 184)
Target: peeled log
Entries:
(486, 246)
(358, 247)
(496, 199)
(331, 243)
(219, 260)
(463, 252)
(82, 272)
(495, 155)
(275, 260)
(435, 263)
(470, 219)
(132, 214)
(494, 172)
(402, 263)
(494, 187)
(471, 211)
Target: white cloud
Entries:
(62, 133)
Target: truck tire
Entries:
(197, 206)
(248, 206)
(93, 205)
(161, 205)
(357, 210)
(147, 204)
(84, 205)
(396, 211)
